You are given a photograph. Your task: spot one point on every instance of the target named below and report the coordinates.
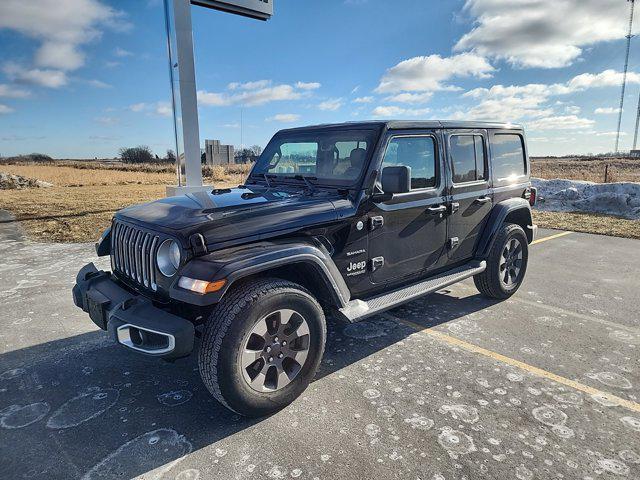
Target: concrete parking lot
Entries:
(452, 386)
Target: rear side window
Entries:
(419, 153)
(508, 156)
(467, 158)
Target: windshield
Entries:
(332, 157)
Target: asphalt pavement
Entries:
(452, 386)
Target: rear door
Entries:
(408, 233)
(470, 189)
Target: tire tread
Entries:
(223, 317)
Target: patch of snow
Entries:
(558, 195)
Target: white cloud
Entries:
(4, 109)
(284, 118)
(429, 74)
(35, 76)
(163, 109)
(413, 98)
(331, 105)
(98, 83)
(107, 121)
(562, 122)
(394, 111)
(308, 86)
(249, 85)
(138, 107)
(606, 110)
(607, 78)
(60, 27)
(121, 52)
(251, 94)
(363, 100)
(10, 91)
(515, 102)
(542, 33)
(610, 134)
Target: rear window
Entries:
(508, 156)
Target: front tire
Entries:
(262, 346)
(506, 263)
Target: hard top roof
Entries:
(411, 124)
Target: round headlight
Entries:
(168, 258)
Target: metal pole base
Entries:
(176, 190)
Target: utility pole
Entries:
(624, 75)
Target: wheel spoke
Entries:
(260, 328)
(249, 357)
(273, 322)
(283, 379)
(300, 356)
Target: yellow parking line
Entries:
(456, 342)
(550, 237)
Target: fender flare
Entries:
(498, 215)
(236, 263)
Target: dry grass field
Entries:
(591, 169)
(85, 195)
(79, 207)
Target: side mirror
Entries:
(396, 179)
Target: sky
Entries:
(83, 78)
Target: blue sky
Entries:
(82, 78)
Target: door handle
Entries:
(482, 200)
(440, 209)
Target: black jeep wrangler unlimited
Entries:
(350, 219)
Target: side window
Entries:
(508, 156)
(467, 158)
(419, 153)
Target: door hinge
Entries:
(376, 263)
(455, 206)
(453, 242)
(376, 222)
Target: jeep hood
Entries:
(224, 215)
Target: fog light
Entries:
(200, 286)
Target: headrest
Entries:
(357, 157)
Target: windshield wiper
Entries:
(266, 179)
(306, 181)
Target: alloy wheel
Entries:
(275, 350)
(511, 263)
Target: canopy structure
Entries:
(183, 80)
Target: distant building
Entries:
(218, 154)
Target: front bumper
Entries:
(132, 320)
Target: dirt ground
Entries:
(79, 207)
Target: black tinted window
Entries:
(508, 156)
(335, 157)
(419, 153)
(467, 156)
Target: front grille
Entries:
(133, 254)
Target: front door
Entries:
(471, 197)
(408, 233)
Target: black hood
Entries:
(225, 215)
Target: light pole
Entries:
(183, 81)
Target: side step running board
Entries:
(356, 310)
